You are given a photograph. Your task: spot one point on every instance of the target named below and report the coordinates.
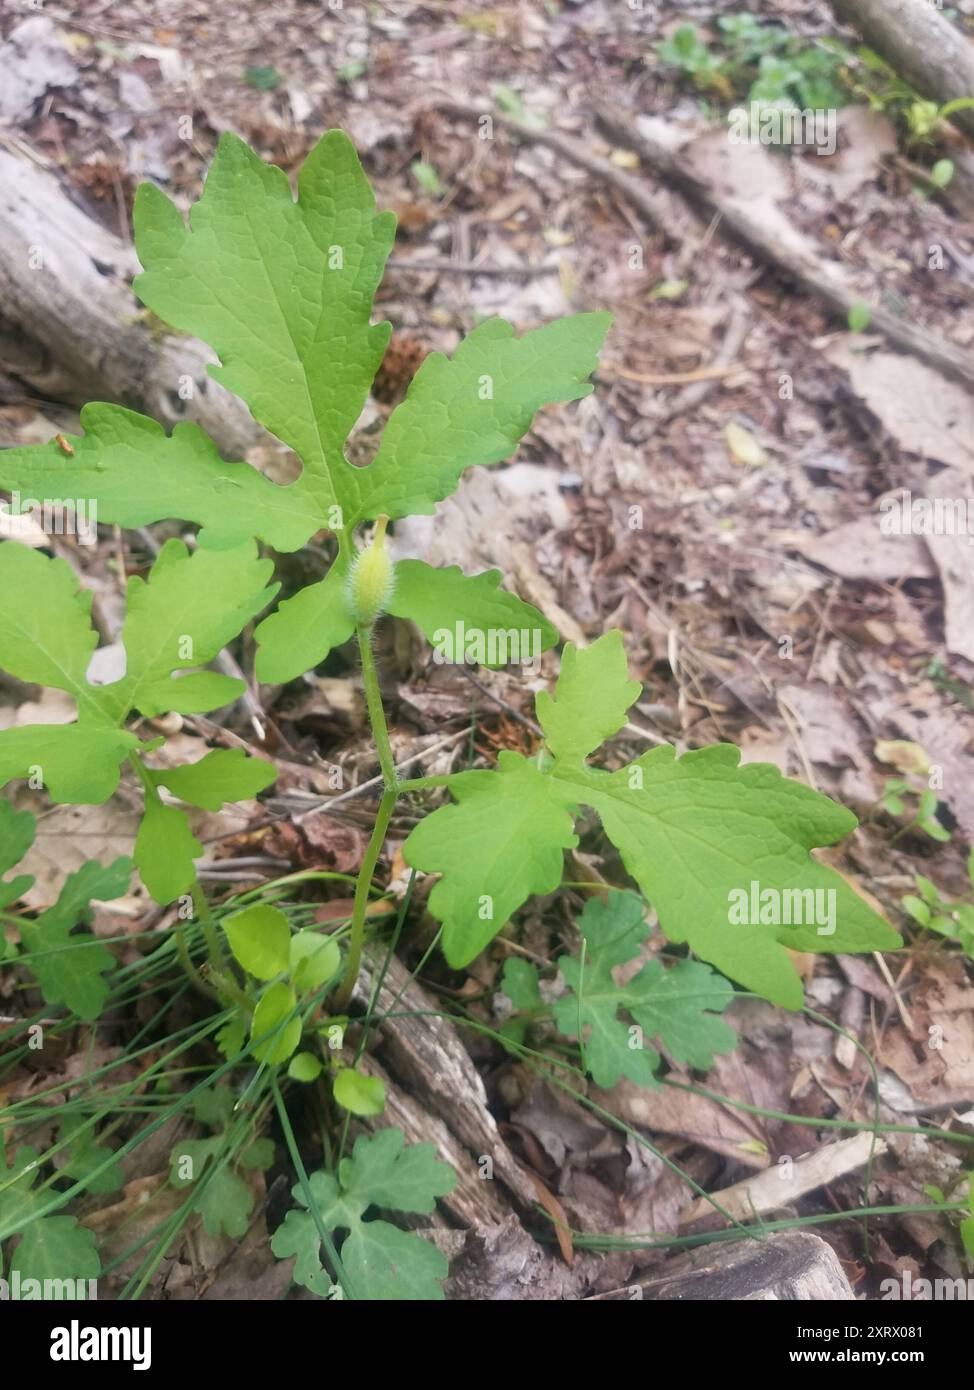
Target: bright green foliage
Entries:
(69, 965)
(694, 832)
(438, 599)
(314, 960)
(897, 791)
(165, 849)
(591, 699)
(952, 919)
(359, 1094)
(260, 939)
(967, 1225)
(282, 290)
(275, 1028)
(51, 1247)
(381, 1261)
(765, 62)
(678, 1005)
(304, 1066)
(224, 774)
(176, 621)
(503, 841)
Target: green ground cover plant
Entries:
(281, 288)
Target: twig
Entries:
(331, 802)
(713, 372)
(471, 268)
(503, 704)
(659, 207)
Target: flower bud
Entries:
(370, 578)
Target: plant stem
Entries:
(186, 961)
(356, 939)
(229, 989)
(380, 732)
(417, 784)
(373, 702)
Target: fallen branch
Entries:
(759, 1194)
(71, 329)
(658, 206)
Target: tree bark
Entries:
(789, 1266)
(924, 47)
(71, 329)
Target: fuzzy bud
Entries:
(370, 578)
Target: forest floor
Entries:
(717, 498)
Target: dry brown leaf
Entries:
(924, 412)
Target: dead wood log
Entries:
(773, 1189)
(924, 47)
(71, 329)
(423, 1051)
(788, 1266)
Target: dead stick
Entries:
(658, 206)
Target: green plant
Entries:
(859, 317)
(428, 179)
(692, 831)
(897, 792)
(680, 1005)
(377, 1259)
(873, 80)
(936, 913)
(762, 62)
(69, 965)
(51, 1247)
(220, 1193)
(282, 291)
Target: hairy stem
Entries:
(189, 969)
(377, 717)
(380, 732)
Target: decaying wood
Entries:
(761, 1193)
(924, 47)
(790, 1266)
(500, 1263)
(424, 1053)
(71, 329)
